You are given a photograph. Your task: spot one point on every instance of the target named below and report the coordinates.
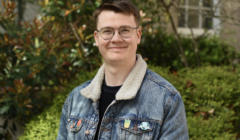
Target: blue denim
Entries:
(157, 102)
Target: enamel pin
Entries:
(68, 121)
(127, 123)
(144, 126)
(79, 122)
(72, 125)
(135, 127)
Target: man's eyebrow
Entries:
(125, 26)
(116, 28)
(107, 27)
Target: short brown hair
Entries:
(118, 6)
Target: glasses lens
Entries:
(125, 31)
(106, 33)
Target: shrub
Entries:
(38, 58)
(211, 101)
(45, 125)
(161, 49)
(210, 95)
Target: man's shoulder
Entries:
(158, 80)
(76, 90)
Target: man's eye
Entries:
(125, 30)
(107, 31)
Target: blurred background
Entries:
(47, 48)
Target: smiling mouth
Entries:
(117, 47)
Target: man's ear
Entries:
(96, 37)
(139, 34)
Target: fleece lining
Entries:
(129, 88)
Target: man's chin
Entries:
(115, 60)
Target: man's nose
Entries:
(116, 37)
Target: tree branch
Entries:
(182, 55)
(80, 41)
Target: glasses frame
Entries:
(118, 31)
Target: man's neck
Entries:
(116, 74)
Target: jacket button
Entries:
(87, 132)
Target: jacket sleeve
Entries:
(62, 132)
(175, 124)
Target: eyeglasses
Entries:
(108, 32)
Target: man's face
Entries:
(117, 49)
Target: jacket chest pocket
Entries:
(136, 130)
(74, 124)
(75, 128)
(80, 129)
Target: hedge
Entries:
(45, 126)
(210, 95)
(160, 49)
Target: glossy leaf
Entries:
(4, 109)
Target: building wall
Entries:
(31, 11)
(231, 30)
(228, 30)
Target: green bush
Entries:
(161, 49)
(210, 95)
(37, 58)
(45, 125)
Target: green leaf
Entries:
(53, 58)
(78, 63)
(35, 60)
(3, 26)
(4, 109)
(43, 53)
(6, 100)
(60, 3)
(97, 4)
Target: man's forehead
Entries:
(107, 15)
(114, 12)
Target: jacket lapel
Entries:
(129, 88)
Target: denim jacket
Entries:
(146, 107)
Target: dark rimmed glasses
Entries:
(108, 32)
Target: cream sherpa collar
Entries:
(129, 88)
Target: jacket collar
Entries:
(129, 88)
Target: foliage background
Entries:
(39, 59)
(210, 98)
(42, 56)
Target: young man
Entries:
(125, 100)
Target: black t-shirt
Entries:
(107, 96)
